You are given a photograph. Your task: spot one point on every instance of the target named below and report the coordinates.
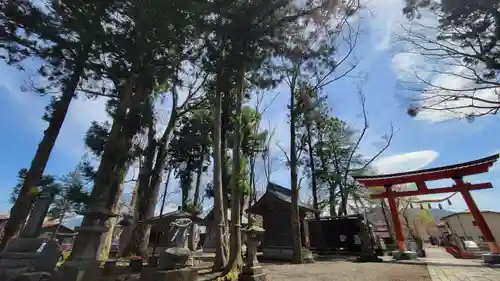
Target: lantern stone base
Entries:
(252, 273)
(285, 254)
(491, 258)
(406, 255)
(182, 274)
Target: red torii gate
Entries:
(455, 172)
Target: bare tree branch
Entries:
(284, 152)
(462, 52)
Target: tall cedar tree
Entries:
(240, 55)
(63, 34)
(169, 43)
(191, 148)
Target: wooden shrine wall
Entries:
(278, 229)
(340, 234)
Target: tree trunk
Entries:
(127, 230)
(295, 220)
(114, 160)
(150, 180)
(343, 199)
(56, 230)
(317, 211)
(313, 174)
(331, 185)
(252, 195)
(220, 257)
(331, 202)
(164, 197)
(162, 207)
(235, 258)
(196, 198)
(20, 210)
(108, 239)
(226, 117)
(185, 183)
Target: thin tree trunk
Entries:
(185, 183)
(295, 220)
(313, 174)
(220, 257)
(331, 202)
(226, 116)
(324, 166)
(314, 189)
(19, 212)
(149, 190)
(253, 189)
(164, 197)
(61, 218)
(162, 207)
(142, 195)
(235, 258)
(196, 198)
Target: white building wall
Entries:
(463, 226)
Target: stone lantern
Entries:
(252, 270)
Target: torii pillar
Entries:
(398, 229)
(489, 239)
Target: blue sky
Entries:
(428, 141)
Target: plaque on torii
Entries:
(455, 172)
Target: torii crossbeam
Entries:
(455, 172)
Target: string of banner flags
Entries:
(429, 201)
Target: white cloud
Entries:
(386, 18)
(444, 108)
(405, 162)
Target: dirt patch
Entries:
(347, 271)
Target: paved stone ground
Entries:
(347, 271)
(443, 267)
(463, 273)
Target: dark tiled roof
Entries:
(168, 217)
(284, 194)
(51, 224)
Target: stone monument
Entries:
(252, 271)
(127, 225)
(28, 257)
(83, 264)
(37, 215)
(178, 246)
(174, 263)
(179, 232)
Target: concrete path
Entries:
(444, 267)
(460, 273)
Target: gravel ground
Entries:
(346, 271)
